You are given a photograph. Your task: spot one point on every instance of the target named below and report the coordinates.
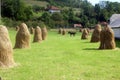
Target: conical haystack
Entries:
(60, 31)
(44, 33)
(6, 51)
(17, 28)
(22, 37)
(96, 34)
(31, 30)
(37, 34)
(63, 32)
(88, 30)
(84, 34)
(80, 30)
(107, 40)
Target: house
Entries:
(115, 24)
(77, 26)
(53, 9)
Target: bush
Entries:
(9, 22)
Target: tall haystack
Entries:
(107, 40)
(63, 32)
(37, 34)
(17, 28)
(22, 37)
(44, 33)
(80, 30)
(6, 51)
(31, 30)
(88, 30)
(85, 34)
(60, 31)
(96, 34)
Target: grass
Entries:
(37, 15)
(63, 58)
(35, 2)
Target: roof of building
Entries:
(53, 8)
(115, 20)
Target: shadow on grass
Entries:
(91, 49)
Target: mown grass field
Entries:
(63, 58)
(35, 2)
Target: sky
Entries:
(97, 1)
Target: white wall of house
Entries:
(52, 11)
(116, 32)
(115, 24)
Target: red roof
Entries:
(53, 8)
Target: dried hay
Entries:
(107, 40)
(6, 51)
(17, 28)
(63, 32)
(44, 33)
(96, 34)
(80, 30)
(31, 30)
(88, 30)
(60, 31)
(84, 34)
(37, 34)
(22, 37)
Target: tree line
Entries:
(77, 11)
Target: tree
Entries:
(70, 16)
(97, 11)
(58, 19)
(103, 15)
(16, 9)
(46, 18)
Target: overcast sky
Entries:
(97, 1)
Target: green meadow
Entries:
(63, 58)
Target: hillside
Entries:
(39, 3)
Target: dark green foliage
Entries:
(37, 8)
(46, 18)
(16, 10)
(57, 17)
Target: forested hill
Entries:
(72, 12)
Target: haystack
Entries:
(84, 34)
(63, 32)
(37, 34)
(60, 31)
(17, 28)
(80, 30)
(6, 51)
(96, 34)
(44, 33)
(107, 40)
(31, 30)
(22, 37)
(88, 30)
